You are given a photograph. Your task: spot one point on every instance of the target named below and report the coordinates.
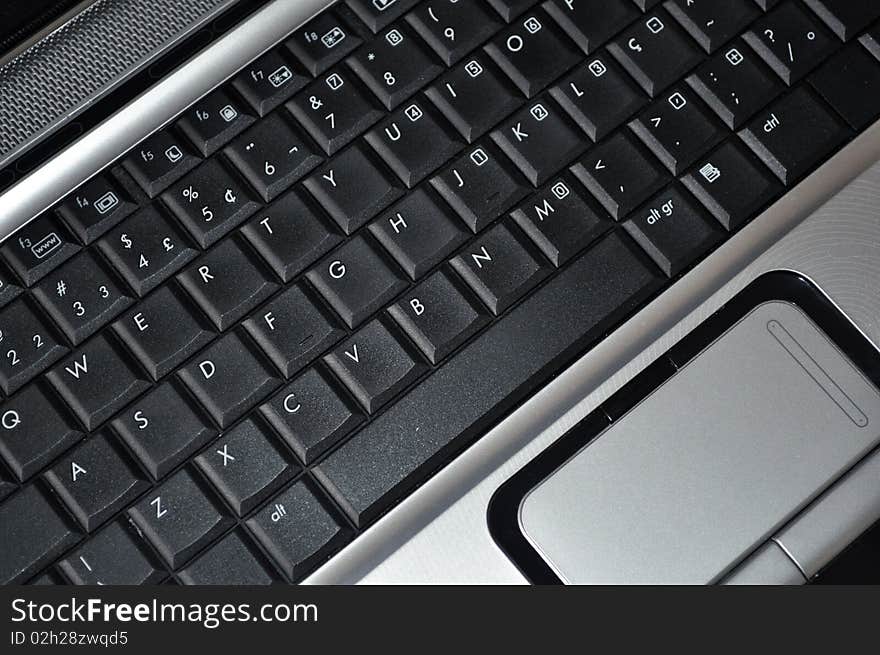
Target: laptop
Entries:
(439, 291)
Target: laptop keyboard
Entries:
(233, 350)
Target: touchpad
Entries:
(708, 466)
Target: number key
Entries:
(453, 28)
(323, 42)
(27, 346)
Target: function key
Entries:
(378, 13)
(845, 17)
(114, 556)
(29, 347)
(453, 28)
(38, 248)
(96, 207)
(213, 121)
(268, 82)
(713, 23)
(590, 23)
(510, 9)
(159, 161)
(324, 41)
(850, 82)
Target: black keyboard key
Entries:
(322, 42)
(767, 5)
(32, 534)
(453, 28)
(311, 416)
(794, 134)
(438, 316)
(590, 23)
(378, 13)
(95, 482)
(533, 52)
(395, 65)
(27, 346)
(231, 562)
(656, 52)
(163, 430)
(713, 23)
(356, 281)
(228, 379)
(95, 207)
(646, 5)
(353, 187)
(160, 161)
(114, 556)
(599, 96)
(214, 121)
(481, 185)
(179, 518)
(850, 82)
(33, 432)
(268, 82)
(871, 40)
(510, 9)
(9, 287)
(298, 530)
(846, 18)
(7, 486)
(38, 248)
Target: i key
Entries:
(29, 347)
(453, 28)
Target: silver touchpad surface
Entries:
(712, 463)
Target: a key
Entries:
(845, 17)
(226, 284)
(293, 330)
(82, 297)
(160, 161)
(850, 82)
(298, 529)
(245, 466)
(540, 139)
(590, 23)
(114, 556)
(33, 432)
(27, 346)
(147, 249)
(533, 52)
(438, 316)
(32, 534)
(656, 52)
(794, 134)
(95, 207)
(228, 379)
(311, 415)
(353, 187)
(95, 482)
(621, 174)
(453, 28)
(474, 96)
(322, 42)
(599, 96)
(418, 232)
(379, 13)
(38, 248)
(673, 229)
(272, 156)
(179, 518)
(214, 121)
(269, 81)
(480, 186)
(163, 429)
(414, 142)
(356, 281)
(395, 65)
(230, 562)
(510, 9)
(9, 287)
(713, 23)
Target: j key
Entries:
(395, 65)
(33, 432)
(161, 332)
(656, 52)
(272, 156)
(414, 142)
(474, 96)
(213, 121)
(713, 23)
(112, 557)
(293, 330)
(621, 174)
(324, 41)
(9, 288)
(673, 229)
(94, 208)
(791, 41)
(179, 518)
(82, 297)
(533, 52)
(95, 482)
(162, 429)
(311, 416)
(846, 18)
(298, 530)
(231, 562)
(481, 185)
(334, 110)
(500, 267)
(540, 140)
(159, 161)
(561, 220)
(453, 28)
(96, 382)
(378, 13)
(38, 248)
(850, 82)
(226, 284)
(438, 316)
(794, 134)
(355, 281)
(599, 96)
(590, 23)
(353, 187)
(268, 82)
(32, 534)
(29, 347)
(418, 233)
(375, 365)
(510, 9)
(732, 184)
(228, 379)
(245, 467)
(147, 249)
